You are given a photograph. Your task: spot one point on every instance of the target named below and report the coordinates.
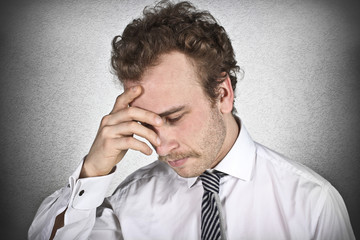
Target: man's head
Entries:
(184, 63)
(180, 27)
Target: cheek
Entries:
(193, 126)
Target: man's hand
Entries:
(115, 135)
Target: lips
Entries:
(177, 163)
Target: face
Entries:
(193, 132)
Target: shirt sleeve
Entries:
(83, 217)
(334, 222)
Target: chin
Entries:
(187, 174)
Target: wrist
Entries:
(88, 170)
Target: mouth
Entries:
(177, 163)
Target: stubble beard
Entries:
(210, 144)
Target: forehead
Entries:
(171, 83)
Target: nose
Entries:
(168, 141)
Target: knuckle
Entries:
(129, 124)
(127, 141)
(105, 120)
(132, 124)
(118, 98)
(105, 131)
(130, 111)
(150, 115)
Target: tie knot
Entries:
(211, 181)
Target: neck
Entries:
(232, 132)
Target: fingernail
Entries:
(134, 88)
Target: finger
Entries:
(133, 114)
(123, 100)
(130, 128)
(125, 143)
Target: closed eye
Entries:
(174, 120)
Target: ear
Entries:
(226, 96)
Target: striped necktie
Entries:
(210, 215)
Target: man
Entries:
(211, 181)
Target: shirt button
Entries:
(81, 192)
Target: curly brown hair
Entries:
(179, 27)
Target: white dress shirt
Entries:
(263, 196)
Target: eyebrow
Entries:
(171, 111)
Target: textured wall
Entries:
(299, 95)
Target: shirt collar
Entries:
(239, 161)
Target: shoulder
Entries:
(304, 195)
(294, 183)
(292, 180)
(284, 168)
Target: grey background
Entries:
(300, 93)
